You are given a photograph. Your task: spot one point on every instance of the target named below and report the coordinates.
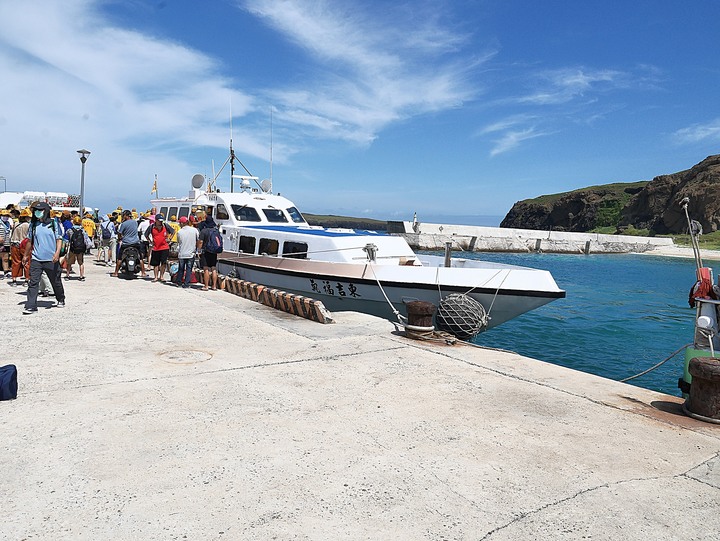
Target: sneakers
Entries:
(82, 278)
(30, 311)
(60, 304)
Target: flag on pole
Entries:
(154, 188)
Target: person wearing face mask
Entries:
(43, 252)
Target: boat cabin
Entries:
(260, 223)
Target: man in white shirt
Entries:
(187, 250)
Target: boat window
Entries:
(274, 215)
(221, 212)
(172, 211)
(295, 215)
(184, 211)
(243, 213)
(163, 211)
(298, 250)
(268, 246)
(247, 245)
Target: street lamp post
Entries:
(83, 158)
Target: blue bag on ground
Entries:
(8, 382)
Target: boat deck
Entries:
(225, 419)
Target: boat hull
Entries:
(364, 287)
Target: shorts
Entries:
(208, 260)
(75, 258)
(159, 257)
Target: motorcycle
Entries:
(130, 260)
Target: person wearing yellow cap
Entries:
(173, 223)
(78, 241)
(88, 224)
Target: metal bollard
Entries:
(704, 400)
(420, 313)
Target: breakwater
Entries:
(426, 236)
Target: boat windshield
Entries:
(295, 215)
(275, 215)
(243, 213)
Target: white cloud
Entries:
(566, 84)
(380, 72)
(510, 139)
(699, 132)
(144, 104)
(75, 81)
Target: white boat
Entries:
(266, 240)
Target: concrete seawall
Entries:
(422, 236)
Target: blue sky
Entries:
(379, 109)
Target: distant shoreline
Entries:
(682, 251)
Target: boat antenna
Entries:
(271, 143)
(695, 230)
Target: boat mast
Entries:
(232, 160)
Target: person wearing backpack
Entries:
(211, 244)
(108, 241)
(78, 242)
(43, 252)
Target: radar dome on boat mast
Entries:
(197, 181)
(266, 185)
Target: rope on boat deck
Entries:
(666, 359)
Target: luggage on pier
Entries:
(8, 382)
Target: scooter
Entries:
(130, 261)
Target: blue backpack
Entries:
(8, 382)
(215, 242)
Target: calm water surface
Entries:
(623, 313)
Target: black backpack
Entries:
(77, 242)
(105, 232)
(8, 382)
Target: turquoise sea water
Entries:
(623, 313)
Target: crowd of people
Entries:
(38, 245)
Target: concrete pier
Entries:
(151, 412)
(427, 236)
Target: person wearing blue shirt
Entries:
(128, 235)
(43, 251)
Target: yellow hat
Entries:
(4, 212)
(77, 220)
(25, 212)
(173, 217)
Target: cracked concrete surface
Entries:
(180, 414)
